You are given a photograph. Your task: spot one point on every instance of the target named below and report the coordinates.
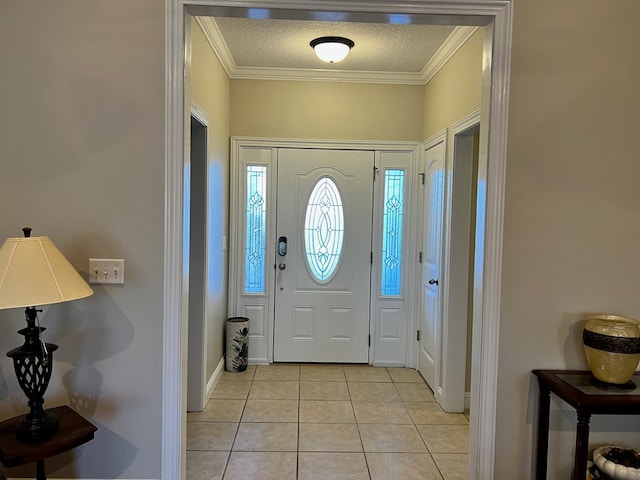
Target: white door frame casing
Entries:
(496, 16)
(197, 363)
(450, 377)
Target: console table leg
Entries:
(542, 446)
(582, 447)
(40, 475)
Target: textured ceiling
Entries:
(279, 48)
(285, 44)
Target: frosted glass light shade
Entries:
(34, 272)
(332, 49)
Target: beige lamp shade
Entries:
(34, 272)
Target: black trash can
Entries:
(237, 344)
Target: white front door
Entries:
(430, 329)
(323, 257)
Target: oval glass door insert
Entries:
(324, 230)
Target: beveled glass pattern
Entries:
(324, 230)
(255, 233)
(393, 211)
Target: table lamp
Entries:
(33, 272)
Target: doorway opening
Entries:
(195, 252)
(461, 266)
(496, 17)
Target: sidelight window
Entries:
(393, 209)
(255, 229)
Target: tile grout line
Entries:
(364, 452)
(224, 471)
(299, 399)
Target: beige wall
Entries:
(455, 91)
(572, 209)
(450, 96)
(350, 111)
(82, 161)
(210, 88)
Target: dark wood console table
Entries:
(577, 389)
(73, 431)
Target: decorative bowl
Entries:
(614, 470)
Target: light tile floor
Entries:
(325, 422)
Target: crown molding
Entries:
(452, 44)
(213, 35)
(320, 75)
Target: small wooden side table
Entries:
(576, 387)
(73, 431)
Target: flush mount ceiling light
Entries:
(332, 49)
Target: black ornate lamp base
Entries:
(34, 429)
(33, 364)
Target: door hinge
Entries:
(421, 175)
(371, 259)
(418, 335)
(420, 257)
(369, 340)
(375, 172)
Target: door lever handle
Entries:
(433, 281)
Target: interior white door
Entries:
(323, 258)
(433, 199)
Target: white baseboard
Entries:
(467, 401)
(215, 378)
(389, 364)
(438, 394)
